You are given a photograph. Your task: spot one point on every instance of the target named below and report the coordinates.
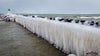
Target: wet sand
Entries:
(17, 41)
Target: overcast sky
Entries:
(51, 6)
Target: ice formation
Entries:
(68, 37)
(71, 55)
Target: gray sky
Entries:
(51, 6)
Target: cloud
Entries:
(51, 6)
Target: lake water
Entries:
(63, 15)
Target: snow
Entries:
(57, 18)
(68, 37)
(71, 55)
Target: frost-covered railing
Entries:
(68, 37)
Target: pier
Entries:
(68, 37)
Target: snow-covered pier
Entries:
(68, 37)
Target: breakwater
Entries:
(68, 37)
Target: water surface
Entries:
(17, 41)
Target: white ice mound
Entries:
(71, 55)
(57, 18)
